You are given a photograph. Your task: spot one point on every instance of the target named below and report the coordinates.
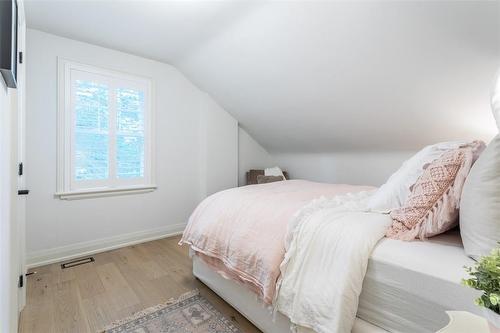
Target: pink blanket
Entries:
(240, 232)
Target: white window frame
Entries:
(67, 186)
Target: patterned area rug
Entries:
(190, 313)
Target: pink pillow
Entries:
(432, 206)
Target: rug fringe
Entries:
(149, 310)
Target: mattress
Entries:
(409, 285)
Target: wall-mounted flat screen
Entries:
(8, 42)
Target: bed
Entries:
(403, 290)
(407, 287)
(246, 302)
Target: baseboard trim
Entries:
(68, 252)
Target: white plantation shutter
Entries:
(106, 131)
(91, 107)
(130, 133)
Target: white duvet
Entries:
(328, 246)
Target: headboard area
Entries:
(252, 176)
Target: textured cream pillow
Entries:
(432, 206)
(480, 205)
(395, 191)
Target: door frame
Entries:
(21, 154)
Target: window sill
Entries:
(105, 192)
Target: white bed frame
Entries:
(247, 303)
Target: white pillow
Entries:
(395, 191)
(275, 171)
(495, 99)
(480, 203)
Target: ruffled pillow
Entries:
(432, 205)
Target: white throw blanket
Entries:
(328, 246)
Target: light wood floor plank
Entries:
(88, 280)
(119, 283)
(68, 315)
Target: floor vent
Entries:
(77, 262)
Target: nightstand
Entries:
(465, 322)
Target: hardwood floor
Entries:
(119, 283)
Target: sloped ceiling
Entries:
(314, 76)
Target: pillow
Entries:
(432, 205)
(495, 99)
(261, 179)
(480, 206)
(395, 191)
(275, 171)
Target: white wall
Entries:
(357, 168)
(219, 149)
(362, 168)
(251, 155)
(58, 228)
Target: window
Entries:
(104, 127)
